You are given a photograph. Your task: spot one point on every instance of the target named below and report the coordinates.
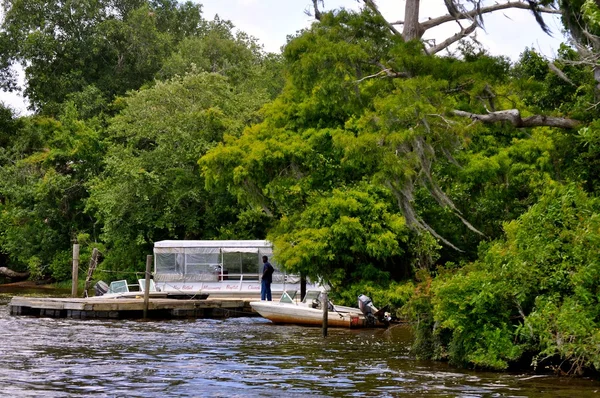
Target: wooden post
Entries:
(75, 276)
(147, 285)
(91, 268)
(302, 286)
(325, 305)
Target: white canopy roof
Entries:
(213, 243)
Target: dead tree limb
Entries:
(373, 7)
(513, 116)
(414, 30)
(9, 273)
(91, 269)
(470, 15)
(452, 39)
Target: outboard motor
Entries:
(100, 288)
(371, 312)
(366, 306)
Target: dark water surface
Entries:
(236, 357)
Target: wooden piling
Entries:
(302, 286)
(325, 304)
(147, 285)
(75, 276)
(91, 268)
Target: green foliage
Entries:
(394, 295)
(113, 46)
(338, 124)
(343, 238)
(238, 57)
(42, 189)
(546, 91)
(151, 187)
(535, 291)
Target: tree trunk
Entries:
(412, 28)
(13, 274)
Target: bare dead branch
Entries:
(452, 39)
(513, 116)
(9, 273)
(375, 9)
(378, 74)
(316, 7)
(483, 10)
(389, 72)
(447, 121)
(559, 73)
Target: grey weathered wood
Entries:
(98, 307)
(9, 273)
(91, 268)
(147, 285)
(75, 280)
(325, 305)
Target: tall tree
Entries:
(67, 46)
(43, 167)
(151, 188)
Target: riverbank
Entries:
(32, 288)
(27, 285)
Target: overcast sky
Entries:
(507, 32)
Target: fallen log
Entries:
(9, 273)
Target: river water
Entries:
(237, 357)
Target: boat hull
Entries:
(299, 314)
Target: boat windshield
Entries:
(288, 296)
(118, 287)
(311, 295)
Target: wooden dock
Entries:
(129, 308)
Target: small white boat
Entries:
(122, 289)
(309, 312)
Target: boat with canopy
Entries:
(221, 268)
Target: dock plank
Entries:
(98, 307)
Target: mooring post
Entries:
(91, 268)
(147, 285)
(302, 285)
(75, 276)
(325, 305)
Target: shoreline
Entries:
(28, 285)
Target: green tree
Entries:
(351, 234)
(43, 170)
(531, 295)
(113, 46)
(151, 187)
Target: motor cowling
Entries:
(365, 304)
(100, 288)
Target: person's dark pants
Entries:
(265, 290)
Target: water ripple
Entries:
(237, 357)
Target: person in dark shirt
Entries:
(267, 279)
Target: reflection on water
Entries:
(234, 358)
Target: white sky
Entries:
(507, 32)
